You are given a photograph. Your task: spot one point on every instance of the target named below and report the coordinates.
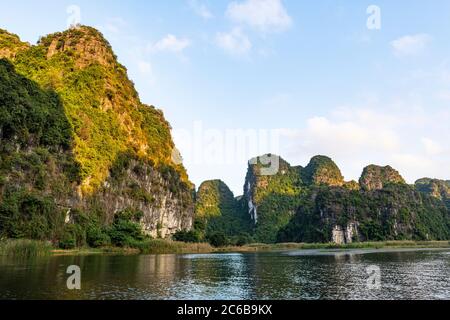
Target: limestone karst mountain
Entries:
(315, 204)
(77, 142)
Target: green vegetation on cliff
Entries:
(321, 170)
(84, 163)
(314, 204)
(99, 101)
(272, 199)
(397, 212)
(78, 146)
(219, 218)
(438, 189)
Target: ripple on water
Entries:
(306, 274)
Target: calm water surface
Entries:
(309, 274)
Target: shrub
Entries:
(68, 242)
(244, 239)
(192, 236)
(28, 215)
(218, 239)
(126, 230)
(97, 237)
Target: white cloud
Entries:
(262, 15)
(357, 137)
(410, 45)
(234, 42)
(432, 147)
(200, 9)
(145, 67)
(360, 130)
(414, 163)
(169, 43)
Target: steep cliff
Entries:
(219, 211)
(271, 197)
(75, 136)
(315, 204)
(383, 208)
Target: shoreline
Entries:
(204, 248)
(28, 248)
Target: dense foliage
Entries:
(397, 212)
(219, 211)
(274, 198)
(72, 127)
(30, 116)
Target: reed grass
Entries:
(32, 248)
(22, 248)
(173, 247)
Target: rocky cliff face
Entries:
(439, 189)
(376, 177)
(73, 131)
(397, 212)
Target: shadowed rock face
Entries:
(220, 211)
(376, 177)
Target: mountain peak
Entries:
(272, 163)
(86, 44)
(376, 177)
(322, 170)
(10, 44)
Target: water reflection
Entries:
(308, 274)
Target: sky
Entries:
(363, 82)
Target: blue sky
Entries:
(300, 78)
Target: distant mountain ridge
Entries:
(315, 204)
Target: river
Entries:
(306, 274)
